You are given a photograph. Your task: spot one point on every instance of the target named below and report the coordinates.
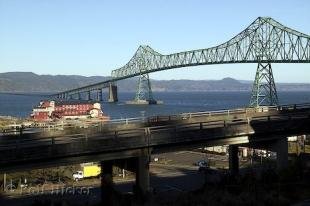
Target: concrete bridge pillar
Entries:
(233, 160)
(79, 96)
(106, 182)
(141, 188)
(281, 148)
(143, 175)
(99, 95)
(112, 93)
(88, 95)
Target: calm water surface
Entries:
(174, 102)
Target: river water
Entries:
(174, 103)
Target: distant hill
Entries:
(226, 84)
(31, 82)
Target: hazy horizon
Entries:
(245, 80)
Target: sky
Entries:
(93, 37)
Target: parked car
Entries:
(202, 165)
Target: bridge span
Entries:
(134, 142)
(264, 41)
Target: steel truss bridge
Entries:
(265, 41)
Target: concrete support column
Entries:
(88, 96)
(79, 96)
(99, 95)
(106, 182)
(142, 176)
(4, 181)
(112, 93)
(233, 160)
(281, 148)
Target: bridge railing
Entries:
(127, 120)
(17, 131)
(294, 106)
(189, 115)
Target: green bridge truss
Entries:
(264, 42)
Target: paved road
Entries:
(167, 177)
(173, 172)
(183, 176)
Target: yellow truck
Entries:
(87, 170)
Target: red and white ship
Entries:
(49, 110)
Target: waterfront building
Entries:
(49, 110)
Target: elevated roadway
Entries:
(125, 139)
